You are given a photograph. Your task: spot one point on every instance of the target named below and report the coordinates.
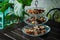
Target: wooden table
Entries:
(17, 34)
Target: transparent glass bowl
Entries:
(32, 8)
(47, 28)
(30, 23)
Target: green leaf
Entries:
(11, 17)
(28, 2)
(25, 2)
(20, 1)
(4, 7)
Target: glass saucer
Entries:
(31, 9)
(30, 23)
(47, 28)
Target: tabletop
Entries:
(16, 33)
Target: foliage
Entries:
(25, 2)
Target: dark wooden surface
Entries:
(17, 34)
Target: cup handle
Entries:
(52, 10)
